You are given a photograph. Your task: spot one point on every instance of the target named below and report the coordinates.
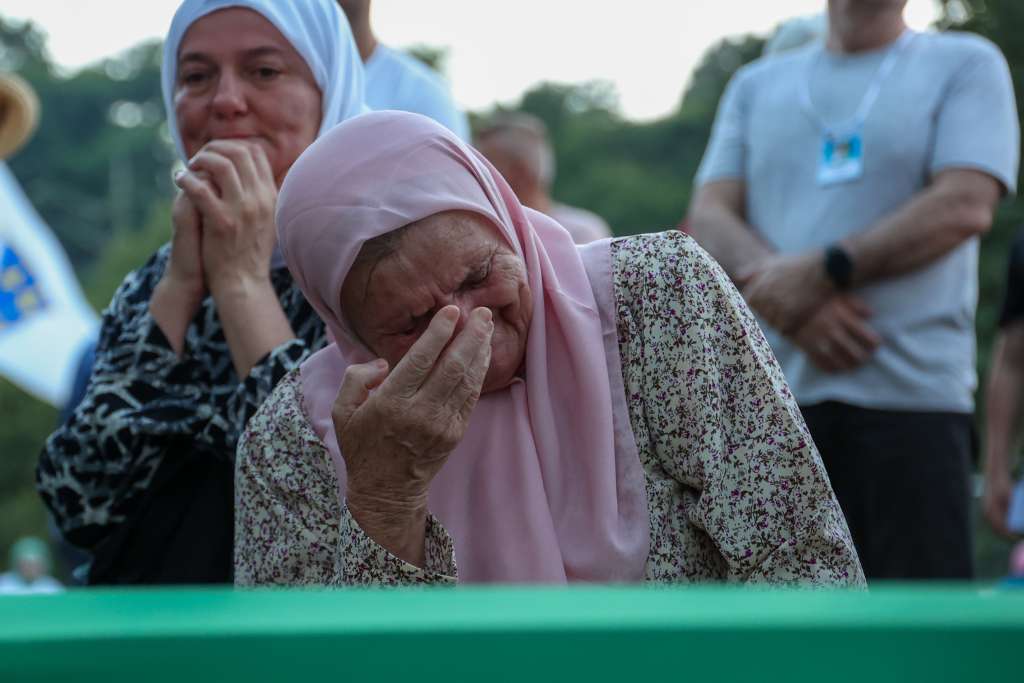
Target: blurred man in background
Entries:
(30, 563)
(396, 80)
(1005, 399)
(845, 188)
(517, 144)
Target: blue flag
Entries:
(45, 321)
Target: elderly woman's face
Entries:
(454, 257)
(239, 78)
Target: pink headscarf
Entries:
(542, 487)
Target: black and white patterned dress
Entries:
(141, 472)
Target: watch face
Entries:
(838, 266)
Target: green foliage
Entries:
(26, 424)
(637, 176)
(126, 251)
(713, 73)
(98, 160)
(434, 57)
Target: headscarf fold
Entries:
(319, 32)
(540, 489)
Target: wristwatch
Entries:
(838, 266)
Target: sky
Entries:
(646, 48)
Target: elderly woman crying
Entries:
(501, 405)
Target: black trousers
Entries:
(903, 481)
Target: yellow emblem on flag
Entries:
(19, 295)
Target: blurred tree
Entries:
(26, 423)
(126, 251)
(431, 55)
(637, 176)
(99, 158)
(712, 75)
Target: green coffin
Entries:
(515, 634)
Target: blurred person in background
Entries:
(29, 569)
(845, 188)
(396, 80)
(142, 472)
(1005, 398)
(517, 144)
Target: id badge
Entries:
(842, 158)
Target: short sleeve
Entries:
(976, 124)
(725, 156)
(1013, 301)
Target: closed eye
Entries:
(477, 277)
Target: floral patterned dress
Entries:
(736, 489)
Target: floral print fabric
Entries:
(735, 487)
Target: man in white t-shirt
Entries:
(845, 188)
(395, 80)
(517, 144)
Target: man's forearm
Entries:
(728, 238)
(923, 230)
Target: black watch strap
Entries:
(838, 266)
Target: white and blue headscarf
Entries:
(317, 29)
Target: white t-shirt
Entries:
(13, 584)
(395, 80)
(584, 226)
(947, 103)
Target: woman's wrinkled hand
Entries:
(396, 430)
(231, 184)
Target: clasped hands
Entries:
(223, 219)
(793, 295)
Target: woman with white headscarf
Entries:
(141, 473)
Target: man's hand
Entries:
(787, 290)
(837, 337)
(996, 500)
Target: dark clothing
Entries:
(1013, 301)
(903, 481)
(141, 473)
(83, 371)
(181, 530)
